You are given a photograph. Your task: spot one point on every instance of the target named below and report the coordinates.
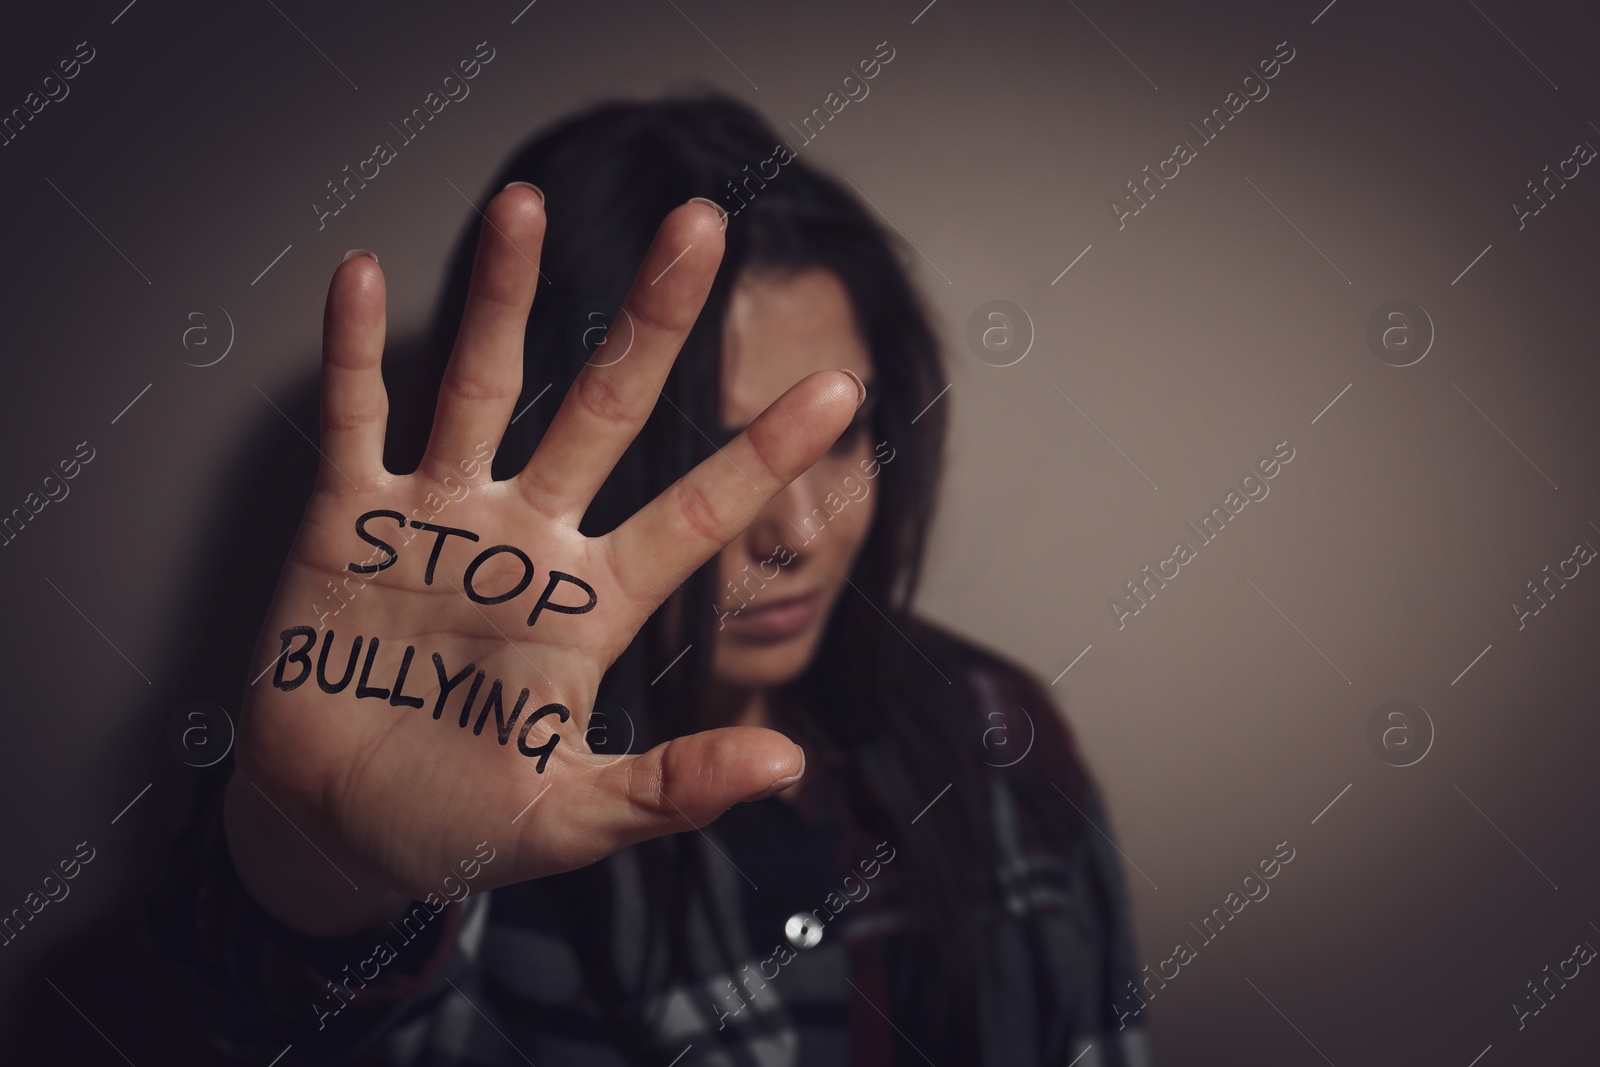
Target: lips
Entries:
(779, 619)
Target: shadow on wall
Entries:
(111, 967)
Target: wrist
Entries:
(284, 874)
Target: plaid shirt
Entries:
(514, 976)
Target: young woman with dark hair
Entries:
(691, 578)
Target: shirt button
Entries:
(803, 930)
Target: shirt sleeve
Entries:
(1111, 1029)
(258, 987)
(1078, 914)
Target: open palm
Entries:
(486, 620)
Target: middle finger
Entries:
(611, 399)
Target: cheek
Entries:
(855, 521)
(861, 524)
(729, 562)
(852, 525)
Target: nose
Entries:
(783, 521)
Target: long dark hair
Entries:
(610, 174)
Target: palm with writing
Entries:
(395, 798)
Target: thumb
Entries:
(687, 782)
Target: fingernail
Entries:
(721, 211)
(777, 787)
(527, 185)
(861, 386)
(354, 252)
(782, 783)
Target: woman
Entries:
(737, 804)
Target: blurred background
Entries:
(1387, 262)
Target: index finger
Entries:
(657, 549)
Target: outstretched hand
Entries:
(485, 619)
